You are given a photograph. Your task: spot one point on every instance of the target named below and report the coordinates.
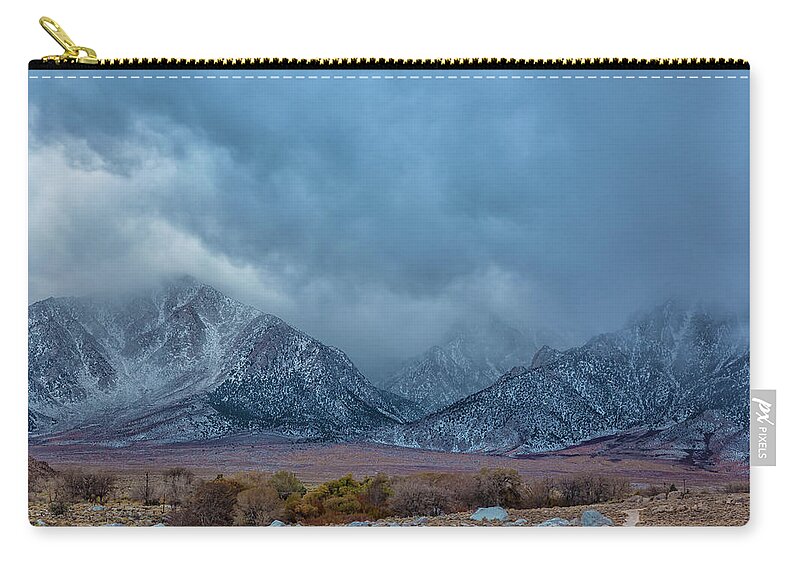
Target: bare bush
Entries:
(738, 487)
(213, 503)
(543, 493)
(652, 490)
(250, 479)
(86, 486)
(39, 473)
(415, 497)
(590, 489)
(147, 490)
(177, 483)
(258, 506)
(460, 488)
(502, 487)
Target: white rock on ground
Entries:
(595, 518)
(490, 514)
(557, 521)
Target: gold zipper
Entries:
(75, 55)
(72, 53)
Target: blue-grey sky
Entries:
(374, 214)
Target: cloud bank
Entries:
(375, 215)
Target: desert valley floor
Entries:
(315, 462)
(710, 495)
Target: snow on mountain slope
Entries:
(279, 378)
(186, 362)
(472, 359)
(678, 372)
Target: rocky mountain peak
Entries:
(182, 360)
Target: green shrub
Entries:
(58, 508)
(341, 500)
(377, 491)
(297, 509)
(286, 483)
(347, 505)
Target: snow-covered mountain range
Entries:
(184, 362)
(472, 358)
(678, 377)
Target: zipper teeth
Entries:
(390, 63)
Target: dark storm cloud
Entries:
(376, 213)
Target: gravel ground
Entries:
(692, 509)
(114, 512)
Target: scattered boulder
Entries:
(518, 522)
(490, 514)
(277, 523)
(557, 521)
(595, 518)
(40, 522)
(358, 523)
(420, 521)
(159, 524)
(97, 508)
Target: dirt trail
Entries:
(633, 517)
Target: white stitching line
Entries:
(429, 77)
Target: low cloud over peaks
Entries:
(376, 216)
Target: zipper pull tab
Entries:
(72, 53)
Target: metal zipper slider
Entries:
(72, 53)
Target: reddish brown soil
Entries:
(314, 462)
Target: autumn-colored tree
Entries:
(333, 502)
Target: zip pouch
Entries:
(388, 293)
